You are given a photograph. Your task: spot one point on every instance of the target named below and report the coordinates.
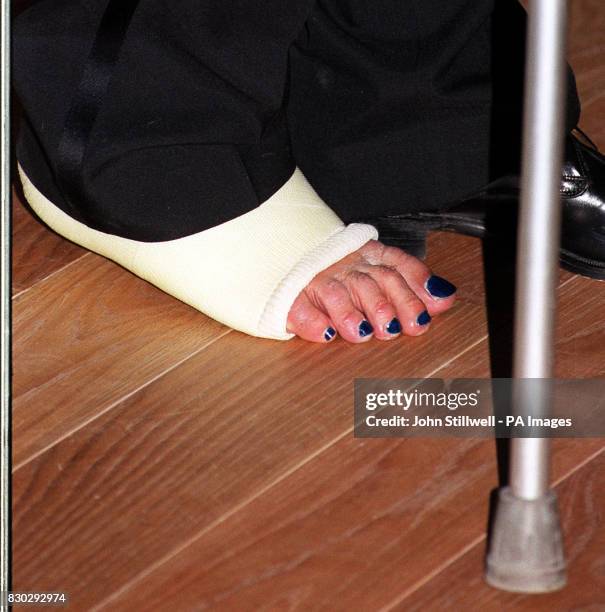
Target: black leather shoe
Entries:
(492, 212)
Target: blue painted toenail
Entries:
(440, 288)
(394, 326)
(424, 318)
(365, 329)
(329, 333)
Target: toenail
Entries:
(365, 329)
(440, 288)
(329, 334)
(424, 318)
(394, 326)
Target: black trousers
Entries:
(385, 105)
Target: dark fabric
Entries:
(386, 105)
(191, 132)
(390, 102)
(400, 106)
(88, 100)
(507, 65)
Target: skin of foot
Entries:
(377, 291)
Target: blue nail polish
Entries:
(424, 318)
(440, 288)
(329, 333)
(365, 329)
(394, 326)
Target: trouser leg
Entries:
(390, 105)
(509, 31)
(190, 132)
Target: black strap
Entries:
(87, 101)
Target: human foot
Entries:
(376, 291)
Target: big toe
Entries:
(436, 292)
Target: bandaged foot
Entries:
(288, 267)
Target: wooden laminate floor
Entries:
(162, 460)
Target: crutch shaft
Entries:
(539, 226)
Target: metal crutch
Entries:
(526, 552)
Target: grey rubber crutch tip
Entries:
(526, 545)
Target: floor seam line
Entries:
(49, 276)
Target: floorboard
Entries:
(87, 338)
(37, 252)
(586, 52)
